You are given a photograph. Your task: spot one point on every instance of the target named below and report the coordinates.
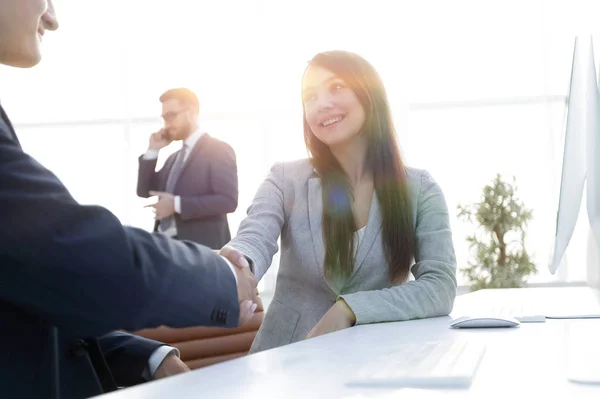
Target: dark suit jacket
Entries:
(207, 185)
(70, 274)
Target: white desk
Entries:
(528, 360)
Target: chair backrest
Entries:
(203, 346)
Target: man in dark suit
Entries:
(198, 185)
(71, 275)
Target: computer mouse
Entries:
(484, 322)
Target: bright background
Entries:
(477, 88)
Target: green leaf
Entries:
(500, 215)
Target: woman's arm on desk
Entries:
(431, 294)
(434, 289)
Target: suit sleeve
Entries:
(224, 187)
(147, 177)
(127, 356)
(259, 231)
(78, 268)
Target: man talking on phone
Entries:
(198, 185)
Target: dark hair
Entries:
(383, 160)
(185, 96)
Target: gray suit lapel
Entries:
(315, 210)
(315, 213)
(372, 230)
(192, 152)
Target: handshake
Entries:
(246, 283)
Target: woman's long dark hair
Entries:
(383, 160)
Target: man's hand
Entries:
(247, 283)
(338, 317)
(158, 140)
(171, 365)
(234, 256)
(165, 206)
(247, 292)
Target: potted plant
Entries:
(500, 258)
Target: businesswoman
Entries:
(354, 221)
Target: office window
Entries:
(465, 147)
(89, 160)
(469, 82)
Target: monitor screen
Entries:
(593, 189)
(574, 155)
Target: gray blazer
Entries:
(288, 203)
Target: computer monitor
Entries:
(574, 159)
(593, 191)
(593, 260)
(581, 161)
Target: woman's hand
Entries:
(338, 317)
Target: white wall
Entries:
(477, 87)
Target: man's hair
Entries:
(185, 96)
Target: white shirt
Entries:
(156, 360)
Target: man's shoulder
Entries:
(215, 142)
(218, 146)
(6, 128)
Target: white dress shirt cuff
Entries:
(232, 267)
(158, 356)
(177, 204)
(150, 154)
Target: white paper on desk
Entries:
(583, 76)
(583, 351)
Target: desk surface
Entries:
(530, 359)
